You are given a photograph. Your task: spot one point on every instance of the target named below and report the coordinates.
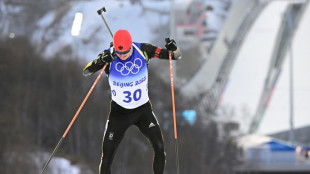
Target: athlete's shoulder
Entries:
(137, 44)
(147, 46)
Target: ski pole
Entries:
(174, 117)
(105, 22)
(75, 116)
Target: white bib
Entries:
(128, 80)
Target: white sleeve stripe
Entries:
(139, 51)
(106, 127)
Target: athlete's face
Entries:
(123, 55)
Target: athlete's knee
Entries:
(159, 149)
(159, 145)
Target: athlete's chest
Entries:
(129, 81)
(133, 67)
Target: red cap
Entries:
(122, 40)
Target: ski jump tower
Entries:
(209, 82)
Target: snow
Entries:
(246, 80)
(61, 165)
(94, 36)
(57, 165)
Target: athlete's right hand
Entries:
(170, 44)
(105, 57)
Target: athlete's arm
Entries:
(151, 51)
(97, 64)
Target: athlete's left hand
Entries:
(170, 44)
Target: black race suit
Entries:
(121, 118)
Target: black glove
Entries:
(105, 57)
(170, 44)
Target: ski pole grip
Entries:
(101, 10)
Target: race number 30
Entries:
(136, 95)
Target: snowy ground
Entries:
(62, 166)
(58, 165)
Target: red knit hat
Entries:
(122, 40)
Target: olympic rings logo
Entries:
(129, 67)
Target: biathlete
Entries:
(127, 72)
